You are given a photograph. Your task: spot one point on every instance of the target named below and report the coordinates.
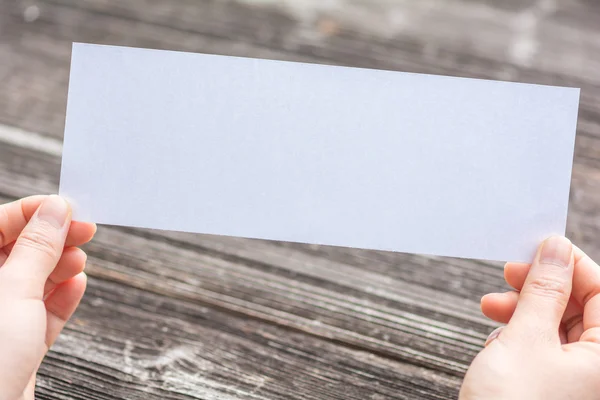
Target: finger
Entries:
(499, 306)
(70, 264)
(15, 216)
(515, 274)
(3, 256)
(587, 282)
(545, 293)
(573, 322)
(61, 304)
(591, 335)
(80, 233)
(586, 289)
(37, 249)
(586, 286)
(562, 334)
(83, 233)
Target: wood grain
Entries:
(133, 343)
(172, 315)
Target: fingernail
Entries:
(499, 294)
(557, 251)
(54, 210)
(489, 295)
(493, 336)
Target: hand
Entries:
(550, 348)
(41, 284)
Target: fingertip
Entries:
(488, 303)
(484, 304)
(492, 296)
(61, 304)
(515, 274)
(81, 278)
(491, 300)
(75, 285)
(55, 211)
(76, 255)
(499, 307)
(485, 299)
(80, 282)
(81, 233)
(71, 263)
(557, 251)
(93, 230)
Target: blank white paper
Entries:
(317, 154)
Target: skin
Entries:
(549, 349)
(41, 284)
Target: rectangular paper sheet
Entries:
(317, 154)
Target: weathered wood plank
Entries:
(128, 343)
(354, 323)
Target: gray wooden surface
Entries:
(178, 316)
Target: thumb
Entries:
(545, 293)
(37, 249)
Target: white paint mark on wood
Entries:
(180, 369)
(31, 13)
(127, 359)
(526, 45)
(30, 140)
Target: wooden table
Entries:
(178, 316)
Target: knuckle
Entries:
(39, 241)
(553, 288)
